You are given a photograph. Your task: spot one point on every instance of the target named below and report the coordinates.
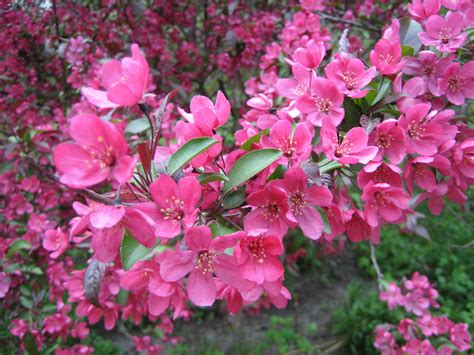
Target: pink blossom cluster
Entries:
(424, 334)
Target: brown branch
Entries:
(348, 22)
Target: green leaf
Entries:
(409, 30)
(352, 113)
(131, 251)
(188, 151)
(233, 199)
(206, 178)
(250, 165)
(278, 173)
(407, 51)
(254, 139)
(329, 166)
(221, 229)
(384, 85)
(327, 227)
(30, 344)
(26, 302)
(18, 245)
(36, 271)
(138, 126)
(122, 297)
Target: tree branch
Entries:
(348, 22)
(376, 266)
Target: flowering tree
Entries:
(338, 137)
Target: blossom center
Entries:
(379, 199)
(300, 89)
(287, 147)
(456, 83)
(297, 201)
(445, 34)
(427, 71)
(350, 78)
(257, 250)
(384, 140)
(415, 131)
(386, 57)
(323, 104)
(271, 211)
(204, 261)
(174, 211)
(344, 148)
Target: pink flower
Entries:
(175, 204)
(380, 172)
(231, 295)
(352, 150)
(311, 56)
(427, 66)
(357, 228)
(384, 203)
(108, 224)
(258, 258)
(4, 284)
(302, 202)
(125, 82)
(419, 171)
(386, 57)
(205, 257)
(55, 241)
(384, 340)
(145, 275)
(269, 213)
(349, 75)
(392, 32)
(458, 82)
(460, 337)
(294, 143)
(420, 10)
(206, 115)
(300, 85)
(442, 325)
(389, 138)
(19, 328)
(411, 93)
(455, 4)
(427, 325)
(415, 346)
(392, 295)
(108, 312)
(406, 328)
(463, 157)
(80, 330)
(325, 101)
(98, 154)
(446, 33)
(423, 136)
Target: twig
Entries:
(376, 266)
(465, 246)
(348, 22)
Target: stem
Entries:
(376, 266)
